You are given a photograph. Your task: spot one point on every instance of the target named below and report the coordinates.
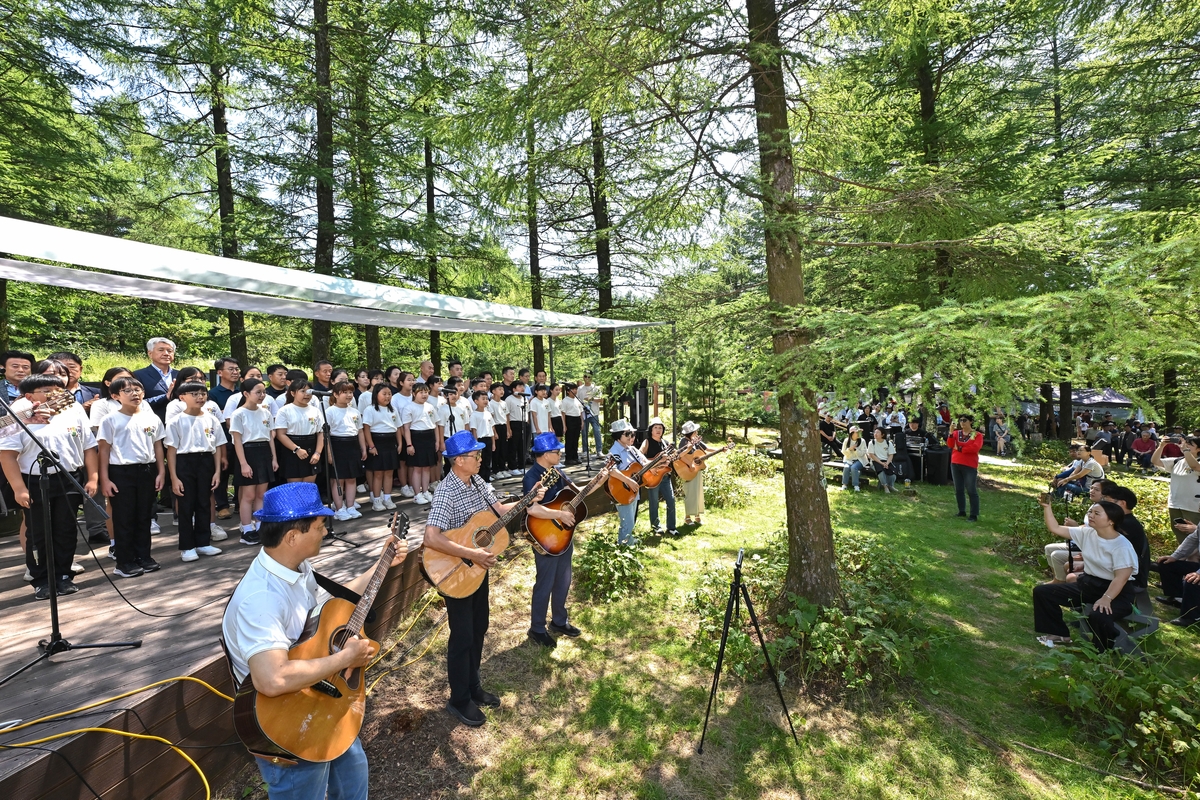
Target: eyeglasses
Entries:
(131, 390)
(197, 393)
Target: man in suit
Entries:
(158, 378)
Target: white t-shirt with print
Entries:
(1102, 557)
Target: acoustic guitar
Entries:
(549, 536)
(320, 722)
(55, 403)
(649, 475)
(693, 461)
(460, 577)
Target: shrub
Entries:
(1140, 712)
(722, 490)
(1052, 451)
(607, 571)
(1027, 537)
(746, 463)
(869, 642)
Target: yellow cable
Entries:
(416, 617)
(186, 757)
(383, 675)
(40, 720)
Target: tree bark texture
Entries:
(363, 200)
(1046, 412)
(225, 206)
(1170, 397)
(326, 225)
(812, 569)
(604, 296)
(435, 336)
(531, 215)
(1066, 416)
(943, 267)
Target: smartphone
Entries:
(1044, 498)
(1179, 521)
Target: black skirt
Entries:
(290, 465)
(557, 424)
(424, 449)
(258, 456)
(347, 457)
(386, 452)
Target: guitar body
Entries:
(653, 476)
(550, 537)
(316, 723)
(688, 465)
(451, 575)
(618, 491)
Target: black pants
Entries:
(1049, 599)
(221, 493)
(132, 509)
(468, 617)
(500, 457)
(63, 510)
(516, 446)
(485, 466)
(574, 428)
(556, 425)
(195, 472)
(1172, 575)
(966, 481)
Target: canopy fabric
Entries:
(1096, 397)
(124, 286)
(34, 240)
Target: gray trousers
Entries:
(550, 587)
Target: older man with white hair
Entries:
(158, 378)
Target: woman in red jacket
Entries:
(964, 446)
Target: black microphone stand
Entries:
(331, 535)
(56, 643)
(526, 434)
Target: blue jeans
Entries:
(344, 778)
(550, 588)
(591, 424)
(668, 494)
(628, 516)
(850, 473)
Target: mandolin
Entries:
(318, 723)
(690, 463)
(649, 475)
(460, 577)
(549, 536)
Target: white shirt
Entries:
(344, 422)
(231, 406)
(854, 450)
(456, 414)
(278, 403)
(177, 407)
(585, 394)
(482, 424)
(1103, 557)
(881, 450)
(364, 400)
(401, 405)
(1184, 486)
(268, 610)
(131, 438)
(1095, 472)
(555, 411)
(67, 435)
(254, 426)
(516, 413)
(105, 406)
(539, 410)
(297, 420)
(499, 412)
(198, 434)
(380, 420)
(421, 417)
(571, 407)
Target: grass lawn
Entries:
(617, 713)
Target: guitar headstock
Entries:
(398, 528)
(57, 401)
(549, 478)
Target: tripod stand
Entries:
(737, 592)
(331, 535)
(47, 461)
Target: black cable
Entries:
(78, 774)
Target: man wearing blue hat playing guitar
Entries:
(266, 617)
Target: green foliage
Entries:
(1048, 451)
(1026, 538)
(606, 571)
(868, 643)
(747, 463)
(1137, 709)
(723, 490)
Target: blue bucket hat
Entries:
(292, 501)
(545, 442)
(460, 444)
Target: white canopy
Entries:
(247, 286)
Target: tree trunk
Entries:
(531, 214)
(1170, 397)
(326, 230)
(1046, 411)
(604, 297)
(364, 212)
(435, 336)
(812, 570)
(943, 268)
(1066, 416)
(225, 208)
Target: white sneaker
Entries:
(357, 504)
(208, 550)
(377, 505)
(353, 513)
(76, 568)
(154, 527)
(28, 574)
(387, 502)
(189, 555)
(433, 488)
(857, 489)
(422, 499)
(341, 514)
(362, 488)
(407, 491)
(216, 532)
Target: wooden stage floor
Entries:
(170, 647)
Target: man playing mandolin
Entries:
(267, 615)
(459, 496)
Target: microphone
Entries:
(320, 393)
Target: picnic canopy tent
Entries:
(1098, 401)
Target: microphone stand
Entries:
(526, 433)
(331, 535)
(56, 643)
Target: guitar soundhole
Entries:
(325, 687)
(484, 539)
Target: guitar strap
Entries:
(341, 592)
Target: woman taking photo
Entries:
(1109, 564)
(964, 445)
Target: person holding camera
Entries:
(965, 444)
(1183, 500)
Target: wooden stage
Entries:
(182, 711)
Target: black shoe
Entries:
(41, 592)
(468, 715)
(565, 630)
(961, 514)
(972, 519)
(112, 552)
(1186, 624)
(148, 564)
(66, 586)
(482, 698)
(1169, 601)
(128, 570)
(250, 537)
(544, 639)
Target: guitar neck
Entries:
(707, 456)
(650, 465)
(579, 498)
(522, 504)
(359, 617)
(23, 416)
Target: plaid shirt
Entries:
(455, 503)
